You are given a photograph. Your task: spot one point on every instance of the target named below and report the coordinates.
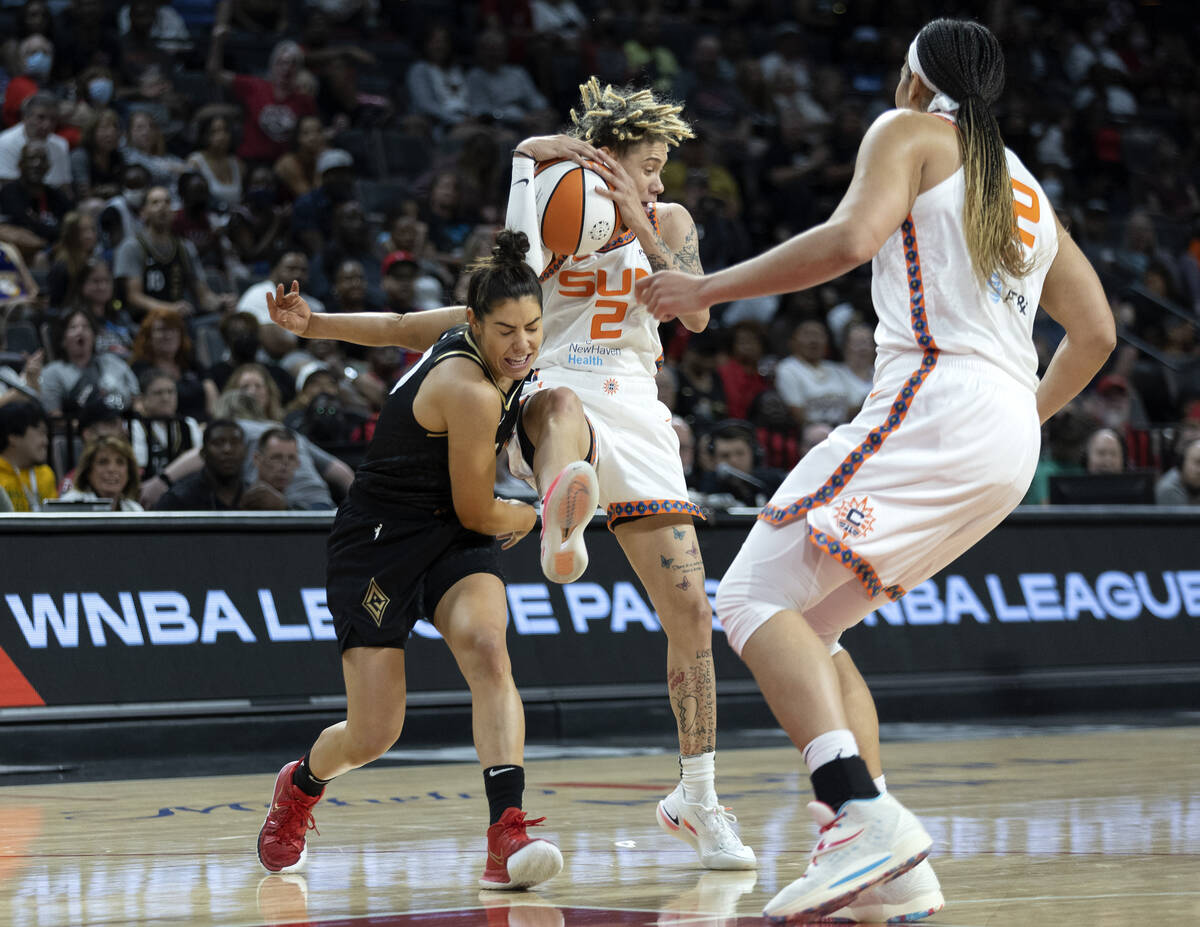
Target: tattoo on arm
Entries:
(686, 259)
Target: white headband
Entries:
(941, 103)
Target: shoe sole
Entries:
(815, 912)
(530, 865)
(920, 908)
(570, 504)
(683, 831)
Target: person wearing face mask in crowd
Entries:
(39, 116)
(121, 217)
(37, 58)
(97, 165)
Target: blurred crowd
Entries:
(162, 165)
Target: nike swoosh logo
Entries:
(670, 817)
(496, 772)
(519, 182)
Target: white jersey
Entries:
(928, 297)
(591, 319)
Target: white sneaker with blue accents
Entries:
(869, 841)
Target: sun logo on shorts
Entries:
(611, 385)
(855, 518)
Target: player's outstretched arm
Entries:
(413, 330)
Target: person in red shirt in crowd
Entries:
(36, 53)
(273, 105)
(740, 375)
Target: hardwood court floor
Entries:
(1071, 830)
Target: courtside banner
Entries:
(144, 609)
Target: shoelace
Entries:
(722, 821)
(287, 807)
(824, 828)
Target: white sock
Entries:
(697, 773)
(880, 784)
(831, 745)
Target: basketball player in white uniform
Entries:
(593, 400)
(965, 245)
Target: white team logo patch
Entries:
(855, 518)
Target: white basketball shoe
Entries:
(567, 509)
(707, 828)
(869, 841)
(908, 897)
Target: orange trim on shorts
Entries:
(639, 508)
(777, 516)
(855, 563)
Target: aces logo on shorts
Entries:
(375, 602)
(855, 518)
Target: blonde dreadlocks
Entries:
(618, 119)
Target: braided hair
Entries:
(618, 119)
(966, 63)
(504, 275)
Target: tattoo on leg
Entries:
(685, 585)
(679, 534)
(693, 550)
(693, 696)
(665, 561)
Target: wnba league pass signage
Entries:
(144, 610)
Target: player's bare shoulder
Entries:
(678, 231)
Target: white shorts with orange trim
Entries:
(941, 452)
(638, 465)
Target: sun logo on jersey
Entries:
(611, 385)
(855, 518)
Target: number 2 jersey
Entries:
(591, 320)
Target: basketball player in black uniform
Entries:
(418, 537)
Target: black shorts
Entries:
(386, 572)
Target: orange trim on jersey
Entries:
(858, 565)
(642, 507)
(552, 267)
(775, 515)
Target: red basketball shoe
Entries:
(281, 841)
(516, 860)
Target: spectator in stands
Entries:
(80, 371)
(240, 333)
(313, 212)
(259, 16)
(276, 460)
(36, 54)
(158, 21)
(273, 106)
(162, 343)
(350, 292)
(33, 18)
(94, 91)
(255, 381)
(297, 167)
(194, 223)
(736, 471)
(69, 257)
(217, 164)
(701, 397)
(740, 375)
(107, 471)
(28, 205)
(648, 59)
(437, 84)
(25, 477)
(503, 93)
(145, 146)
(313, 379)
(291, 264)
(817, 389)
(93, 292)
(86, 36)
(1104, 452)
(1063, 439)
(400, 270)
(775, 430)
(121, 217)
(161, 434)
(157, 269)
(261, 226)
(1181, 484)
(39, 115)
(450, 217)
(220, 483)
(349, 240)
(97, 167)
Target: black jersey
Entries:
(407, 466)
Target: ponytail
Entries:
(963, 59)
(504, 275)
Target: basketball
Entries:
(573, 217)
